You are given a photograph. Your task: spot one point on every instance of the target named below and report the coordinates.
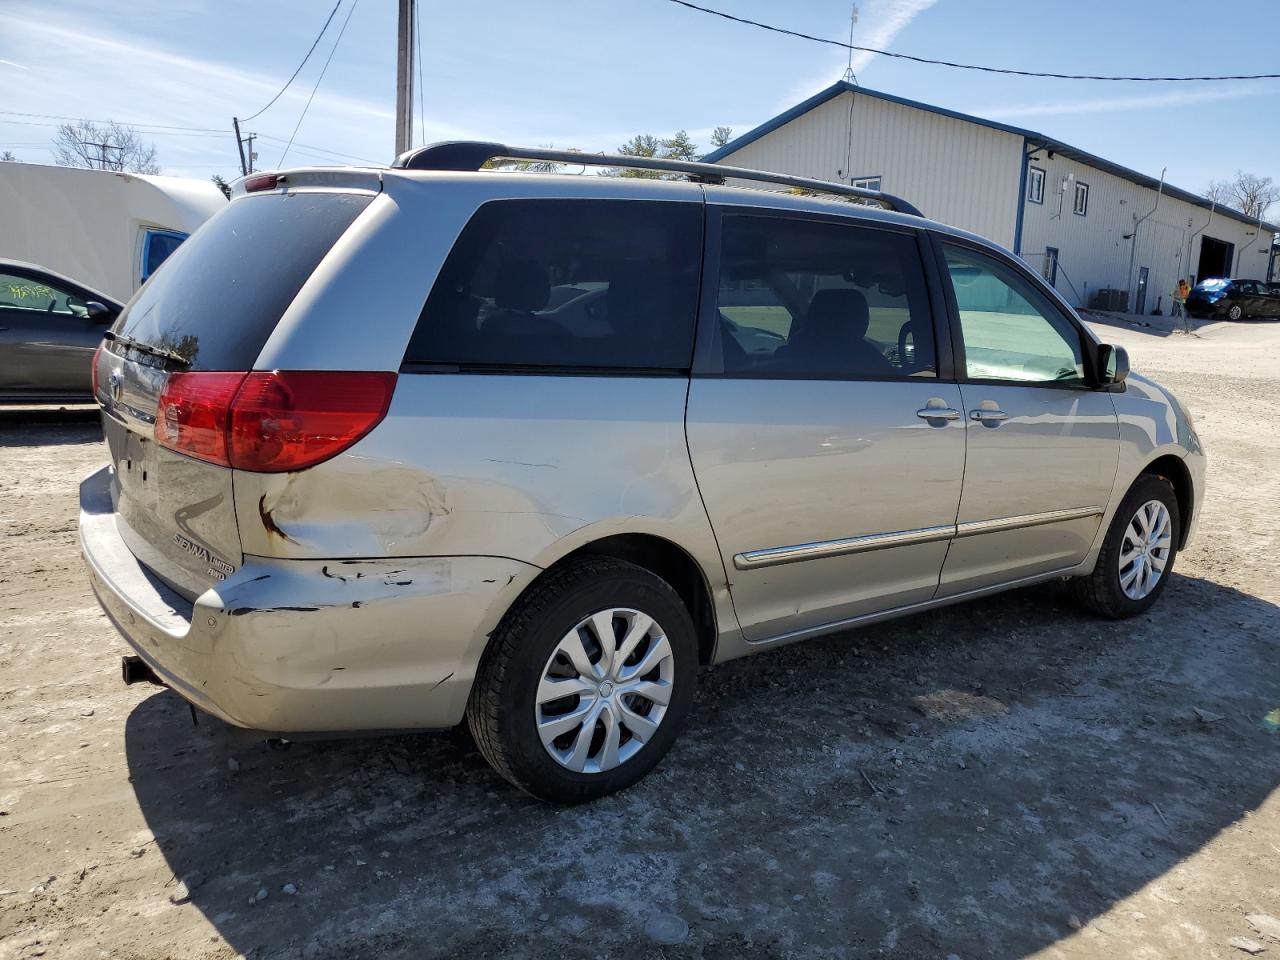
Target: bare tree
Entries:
(1249, 193)
(721, 135)
(110, 147)
(7, 155)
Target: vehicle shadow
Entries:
(48, 426)
(979, 780)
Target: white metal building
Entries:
(1074, 216)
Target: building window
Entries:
(1035, 185)
(866, 183)
(1081, 206)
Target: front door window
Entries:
(1010, 332)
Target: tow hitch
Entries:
(136, 670)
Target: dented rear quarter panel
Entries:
(525, 467)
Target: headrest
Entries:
(837, 311)
(522, 285)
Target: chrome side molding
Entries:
(975, 527)
(772, 556)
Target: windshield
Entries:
(216, 300)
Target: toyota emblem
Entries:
(115, 384)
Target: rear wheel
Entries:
(586, 683)
(1235, 312)
(1137, 555)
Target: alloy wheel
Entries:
(604, 690)
(1145, 550)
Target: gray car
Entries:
(395, 448)
(49, 327)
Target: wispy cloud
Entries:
(10, 63)
(879, 23)
(1154, 101)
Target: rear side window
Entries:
(23, 293)
(567, 283)
(819, 299)
(157, 248)
(222, 291)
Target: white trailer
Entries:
(105, 229)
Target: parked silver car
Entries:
(395, 447)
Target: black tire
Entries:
(501, 710)
(1101, 591)
(1235, 312)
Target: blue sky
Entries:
(589, 73)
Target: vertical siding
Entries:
(1093, 252)
(956, 172)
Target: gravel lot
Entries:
(1001, 779)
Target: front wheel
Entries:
(1235, 312)
(1137, 556)
(586, 682)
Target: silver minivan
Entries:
(391, 448)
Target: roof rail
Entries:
(474, 154)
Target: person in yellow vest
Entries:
(1180, 297)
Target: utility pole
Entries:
(244, 167)
(253, 154)
(404, 76)
(117, 164)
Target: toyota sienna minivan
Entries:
(394, 448)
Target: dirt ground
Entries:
(1004, 779)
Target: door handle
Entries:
(938, 413)
(984, 415)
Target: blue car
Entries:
(1234, 299)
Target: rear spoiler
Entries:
(329, 179)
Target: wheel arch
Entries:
(1172, 468)
(668, 560)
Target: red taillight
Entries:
(194, 411)
(93, 370)
(292, 420)
(264, 181)
(270, 422)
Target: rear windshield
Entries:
(1213, 285)
(215, 301)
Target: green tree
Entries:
(721, 135)
(676, 147)
(220, 182)
(530, 166)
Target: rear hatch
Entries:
(210, 307)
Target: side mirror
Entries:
(99, 312)
(1113, 364)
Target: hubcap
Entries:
(1144, 553)
(604, 690)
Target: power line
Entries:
(962, 66)
(314, 43)
(314, 149)
(350, 10)
(123, 123)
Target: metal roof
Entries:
(1032, 137)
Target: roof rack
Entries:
(474, 154)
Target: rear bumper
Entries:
(290, 646)
(1202, 308)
